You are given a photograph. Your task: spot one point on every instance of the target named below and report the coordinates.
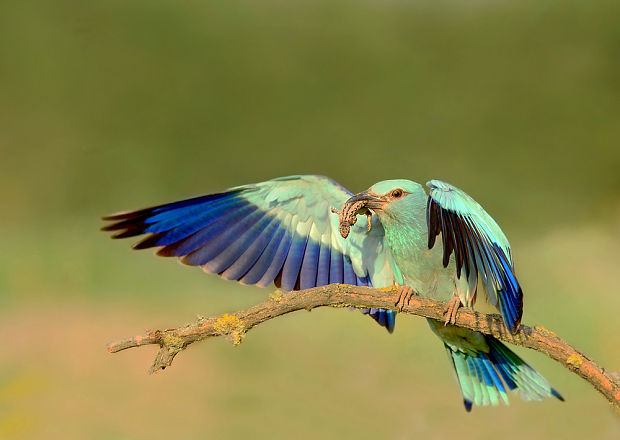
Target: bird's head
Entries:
(391, 200)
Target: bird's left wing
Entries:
(479, 246)
(281, 231)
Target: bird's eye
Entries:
(397, 193)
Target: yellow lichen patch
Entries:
(544, 331)
(388, 289)
(237, 337)
(276, 296)
(230, 325)
(172, 340)
(575, 360)
(227, 323)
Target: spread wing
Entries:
(479, 246)
(280, 231)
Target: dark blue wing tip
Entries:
(513, 325)
(557, 395)
(385, 318)
(391, 321)
(468, 404)
(511, 307)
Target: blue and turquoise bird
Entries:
(283, 231)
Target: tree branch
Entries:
(235, 326)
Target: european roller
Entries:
(440, 244)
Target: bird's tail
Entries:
(485, 377)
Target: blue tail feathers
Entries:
(485, 377)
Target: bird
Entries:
(289, 232)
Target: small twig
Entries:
(173, 341)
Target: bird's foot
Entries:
(404, 296)
(451, 310)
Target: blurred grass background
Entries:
(116, 105)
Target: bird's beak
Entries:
(371, 200)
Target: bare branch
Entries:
(235, 326)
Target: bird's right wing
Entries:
(281, 231)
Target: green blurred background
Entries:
(116, 105)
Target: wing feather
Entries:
(480, 248)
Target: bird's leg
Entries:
(451, 310)
(404, 296)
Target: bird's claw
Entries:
(451, 310)
(404, 296)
